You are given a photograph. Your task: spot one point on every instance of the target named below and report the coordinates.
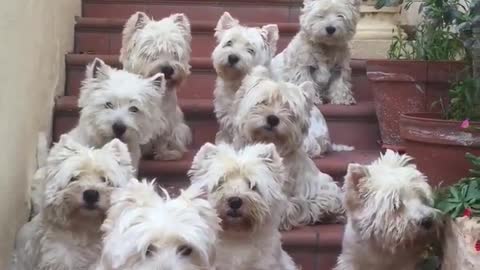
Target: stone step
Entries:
(201, 82)
(245, 10)
(341, 120)
(103, 36)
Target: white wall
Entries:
(34, 36)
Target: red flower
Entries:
(477, 246)
(467, 213)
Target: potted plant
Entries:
(437, 140)
(419, 69)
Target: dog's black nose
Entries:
(427, 223)
(330, 29)
(91, 196)
(119, 129)
(235, 202)
(167, 71)
(272, 120)
(233, 59)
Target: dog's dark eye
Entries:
(229, 43)
(150, 250)
(265, 102)
(254, 187)
(341, 16)
(251, 51)
(104, 179)
(108, 105)
(73, 179)
(184, 250)
(133, 109)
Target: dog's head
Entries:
(157, 46)
(245, 186)
(390, 202)
(146, 231)
(240, 48)
(330, 22)
(118, 104)
(272, 112)
(79, 180)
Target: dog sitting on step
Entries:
(78, 183)
(279, 112)
(118, 104)
(391, 217)
(145, 231)
(239, 49)
(245, 187)
(149, 47)
(320, 52)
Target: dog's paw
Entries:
(344, 100)
(168, 155)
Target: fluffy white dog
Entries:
(245, 186)
(79, 180)
(149, 47)
(118, 104)
(320, 52)
(239, 49)
(278, 112)
(144, 231)
(390, 212)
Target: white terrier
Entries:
(245, 186)
(118, 104)
(144, 231)
(149, 47)
(320, 52)
(390, 212)
(66, 232)
(278, 112)
(239, 49)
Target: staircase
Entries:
(98, 34)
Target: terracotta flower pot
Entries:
(461, 244)
(407, 87)
(439, 146)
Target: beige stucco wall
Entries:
(34, 36)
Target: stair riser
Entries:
(94, 42)
(252, 12)
(201, 82)
(204, 129)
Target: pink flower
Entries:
(465, 124)
(467, 213)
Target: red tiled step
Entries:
(103, 36)
(199, 114)
(314, 247)
(201, 82)
(245, 10)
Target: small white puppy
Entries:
(239, 49)
(390, 212)
(279, 112)
(144, 231)
(118, 104)
(245, 187)
(79, 180)
(149, 47)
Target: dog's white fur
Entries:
(313, 195)
(253, 176)
(252, 46)
(390, 212)
(149, 47)
(318, 57)
(144, 231)
(109, 96)
(66, 232)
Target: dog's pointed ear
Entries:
(136, 22)
(159, 81)
(63, 149)
(97, 70)
(225, 22)
(355, 172)
(271, 35)
(119, 150)
(202, 161)
(182, 21)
